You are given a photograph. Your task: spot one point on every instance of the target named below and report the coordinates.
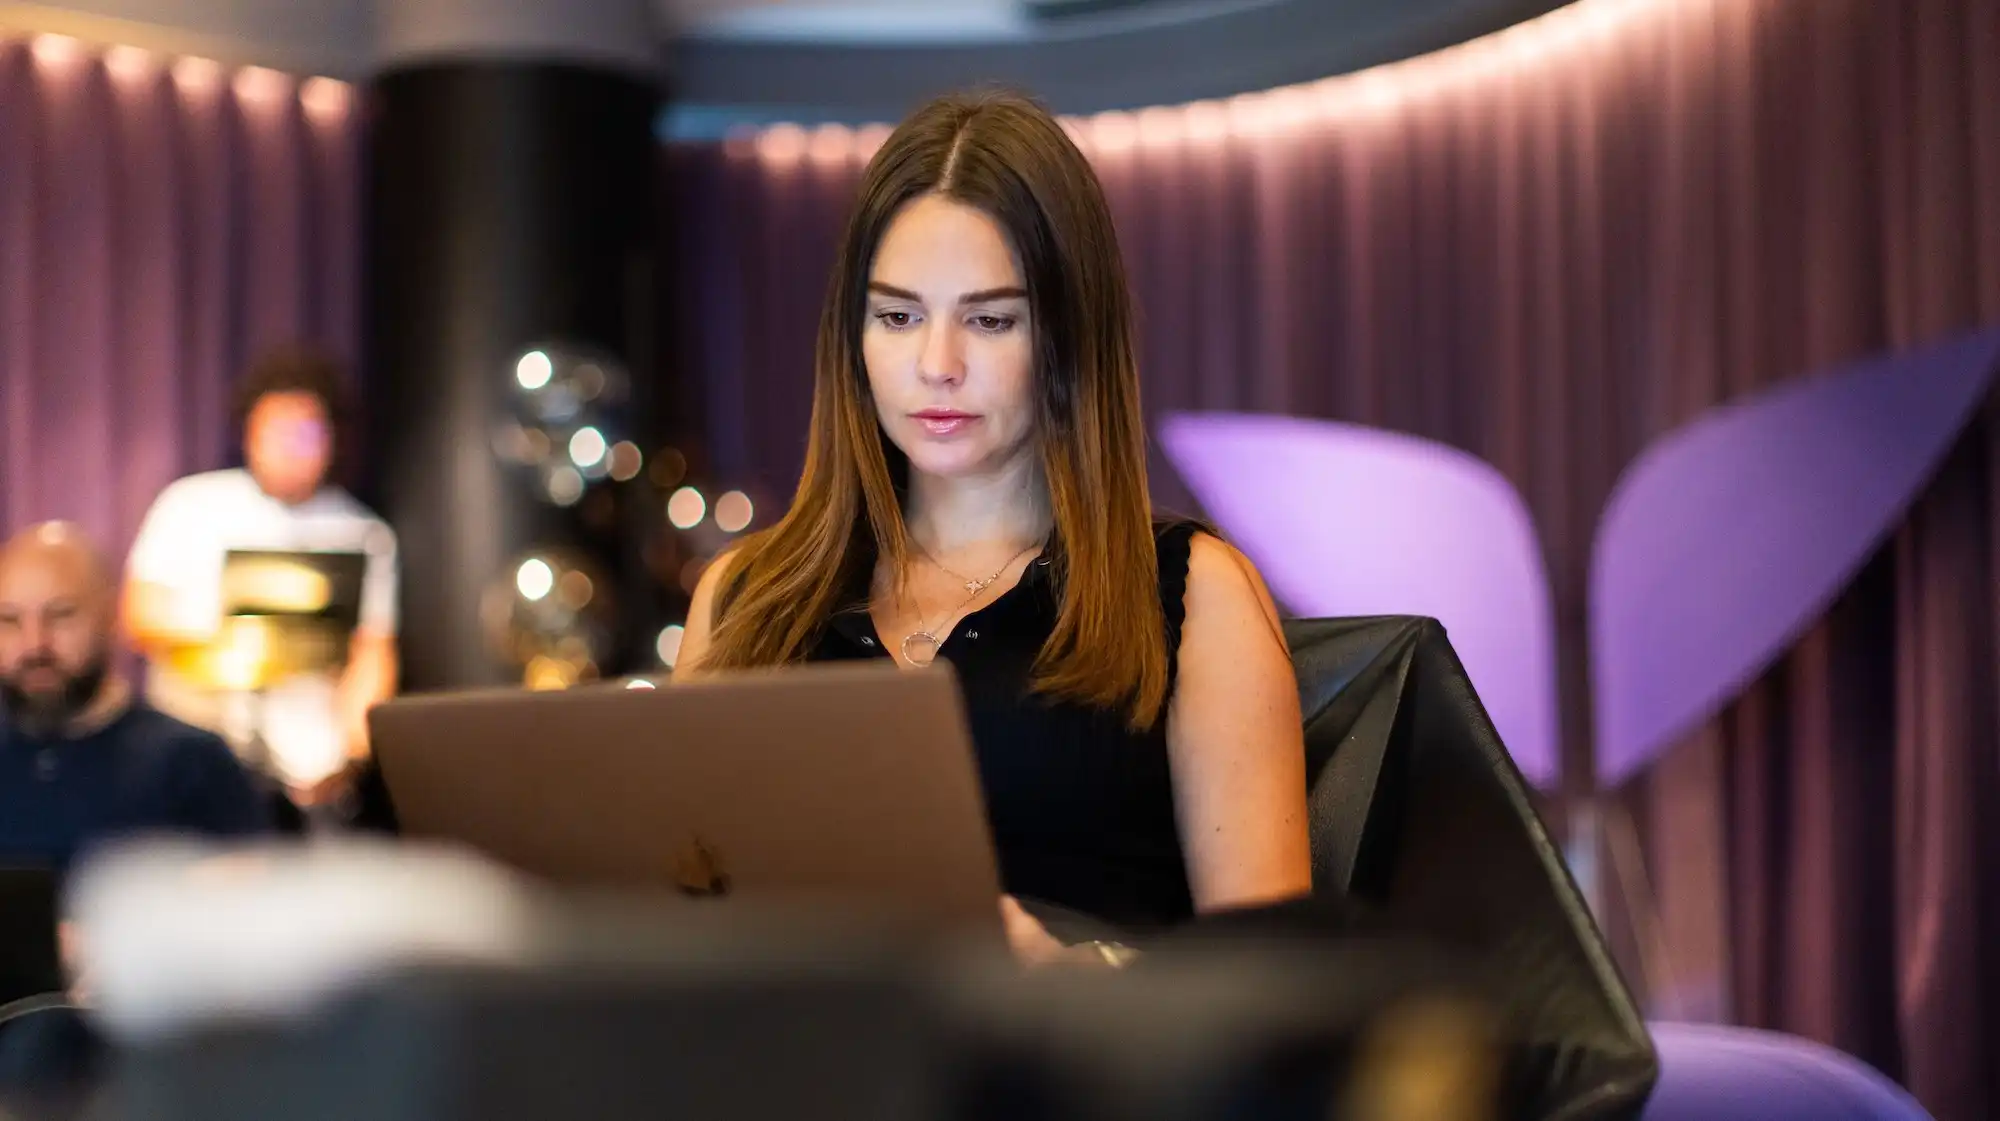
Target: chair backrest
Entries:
(1729, 537)
(1418, 809)
(1347, 520)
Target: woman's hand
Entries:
(69, 940)
(1034, 946)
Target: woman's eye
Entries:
(993, 324)
(894, 320)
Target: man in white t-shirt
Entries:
(313, 728)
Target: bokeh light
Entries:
(571, 403)
(533, 370)
(686, 508)
(587, 447)
(534, 579)
(625, 460)
(552, 616)
(733, 512)
(668, 645)
(563, 485)
(546, 674)
(575, 589)
(669, 468)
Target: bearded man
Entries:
(82, 761)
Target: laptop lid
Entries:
(315, 584)
(30, 955)
(855, 784)
(295, 608)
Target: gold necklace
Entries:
(920, 647)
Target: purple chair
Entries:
(1725, 540)
(1708, 1071)
(1719, 546)
(1396, 542)
(1266, 483)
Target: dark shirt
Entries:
(143, 773)
(1081, 806)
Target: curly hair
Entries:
(295, 369)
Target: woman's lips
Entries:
(944, 422)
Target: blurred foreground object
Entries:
(459, 993)
(181, 933)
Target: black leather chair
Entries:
(1419, 813)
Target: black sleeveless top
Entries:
(1081, 806)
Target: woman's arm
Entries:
(1236, 740)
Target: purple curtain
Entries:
(1549, 250)
(160, 222)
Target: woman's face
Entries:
(948, 344)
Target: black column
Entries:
(511, 208)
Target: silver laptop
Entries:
(852, 784)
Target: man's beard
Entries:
(47, 713)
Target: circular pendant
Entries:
(920, 649)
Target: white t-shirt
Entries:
(181, 545)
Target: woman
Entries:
(975, 489)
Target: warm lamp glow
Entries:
(131, 65)
(1575, 34)
(1206, 122)
(259, 86)
(830, 145)
(868, 140)
(56, 50)
(1114, 132)
(782, 145)
(196, 75)
(1162, 127)
(325, 99)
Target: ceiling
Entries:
(845, 20)
(747, 60)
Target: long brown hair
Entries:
(1005, 155)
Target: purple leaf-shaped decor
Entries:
(1725, 540)
(1348, 520)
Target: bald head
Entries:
(58, 547)
(56, 613)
